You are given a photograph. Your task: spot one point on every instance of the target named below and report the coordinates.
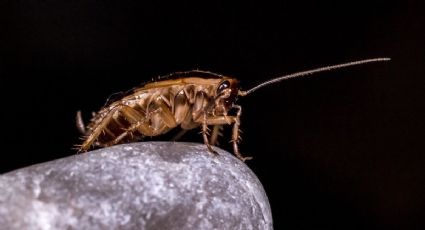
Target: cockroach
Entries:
(191, 99)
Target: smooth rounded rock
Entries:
(145, 185)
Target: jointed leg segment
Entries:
(222, 120)
(205, 134)
(215, 133)
(235, 134)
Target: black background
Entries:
(340, 150)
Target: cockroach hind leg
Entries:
(78, 148)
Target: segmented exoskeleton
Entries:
(160, 106)
(193, 99)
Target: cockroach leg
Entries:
(222, 120)
(193, 99)
(166, 114)
(215, 133)
(90, 140)
(137, 121)
(235, 134)
(133, 116)
(166, 101)
(205, 134)
(219, 120)
(127, 132)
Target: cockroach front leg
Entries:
(205, 134)
(223, 120)
(235, 134)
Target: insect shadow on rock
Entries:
(191, 99)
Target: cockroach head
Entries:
(227, 93)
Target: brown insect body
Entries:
(194, 98)
(160, 106)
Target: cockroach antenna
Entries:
(190, 100)
(313, 71)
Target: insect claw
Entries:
(246, 158)
(78, 148)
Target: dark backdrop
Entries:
(341, 150)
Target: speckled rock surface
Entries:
(146, 185)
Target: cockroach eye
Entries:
(150, 110)
(224, 85)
